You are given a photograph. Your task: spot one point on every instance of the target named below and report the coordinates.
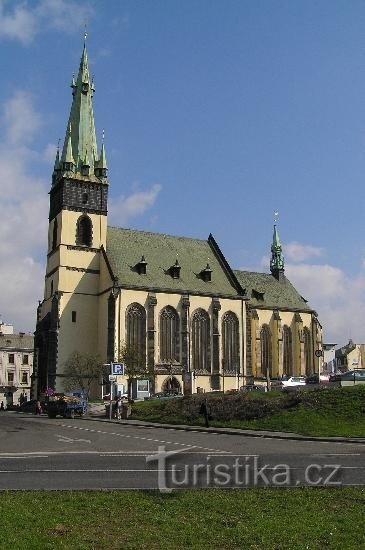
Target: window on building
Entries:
(55, 233)
(84, 231)
(85, 198)
(230, 342)
(24, 378)
(25, 359)
(266, 353)
(10, 377)
(11, 358)
(136, 333)
(287, 352)
(201, 341)
(169, 335)
(51, 288)
(73, 316)
(307, 352)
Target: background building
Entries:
(16, 365)
(351, 356)
(195, 322)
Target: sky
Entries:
(216, 113)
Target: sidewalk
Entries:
(98, 414)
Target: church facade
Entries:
(193, 320)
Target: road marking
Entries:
(98, 470)
(325, 455)
(65, 439)
(147, 439)
(19, 456)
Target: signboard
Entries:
(118, 368)
(318, 353)
(112, 378)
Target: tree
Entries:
(135, 364)
(82, 370)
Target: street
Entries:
(41, 453)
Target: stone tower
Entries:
(67, 318)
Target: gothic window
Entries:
(201, 341)
(136, 330)
(287, 352)
(169, 335)
(266, 355)
(307, 352)
(84, 231)
(54, 235)
(230, 341)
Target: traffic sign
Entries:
(318, 353)
(118, 368)
(112, 377)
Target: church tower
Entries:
(67, 318)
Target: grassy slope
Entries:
(326, 412)
(262, 519)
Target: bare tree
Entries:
(135, 364)
(82, 371)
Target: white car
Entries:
(293, 381)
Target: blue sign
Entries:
(118, 368)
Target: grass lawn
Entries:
(218, 519)
(322, 412)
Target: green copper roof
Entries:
(277, 258)
(126, 247)
(80, 145)
(264, 290)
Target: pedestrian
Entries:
(118, 408)
(204, 411)
(38, 407)
(2, 408)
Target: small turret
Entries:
(277, 258)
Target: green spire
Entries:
(277, 258)
(80, 140)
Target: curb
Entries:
(231, 431)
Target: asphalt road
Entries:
(42, 453)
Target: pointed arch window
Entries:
(231, 342)
(169, 335)
(84, 231)
(266, 353)
(307, 352)
(54, 234)
(201, 341)
(136, 330)
(287, 352)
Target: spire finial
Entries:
(85, 32)
(276, 216)
(58, 145)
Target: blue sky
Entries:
(216, 113)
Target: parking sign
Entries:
(117, 368)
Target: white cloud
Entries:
(338, 298)
(298, 252)
(64, 15)
(20, 118)
(21, 21)
(123, 209)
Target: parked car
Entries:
(356, 376)
(313, 379)
(253, 387)
(294, 381)
(165, 395)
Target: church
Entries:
(197, 324)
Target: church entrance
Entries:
(171, 384)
